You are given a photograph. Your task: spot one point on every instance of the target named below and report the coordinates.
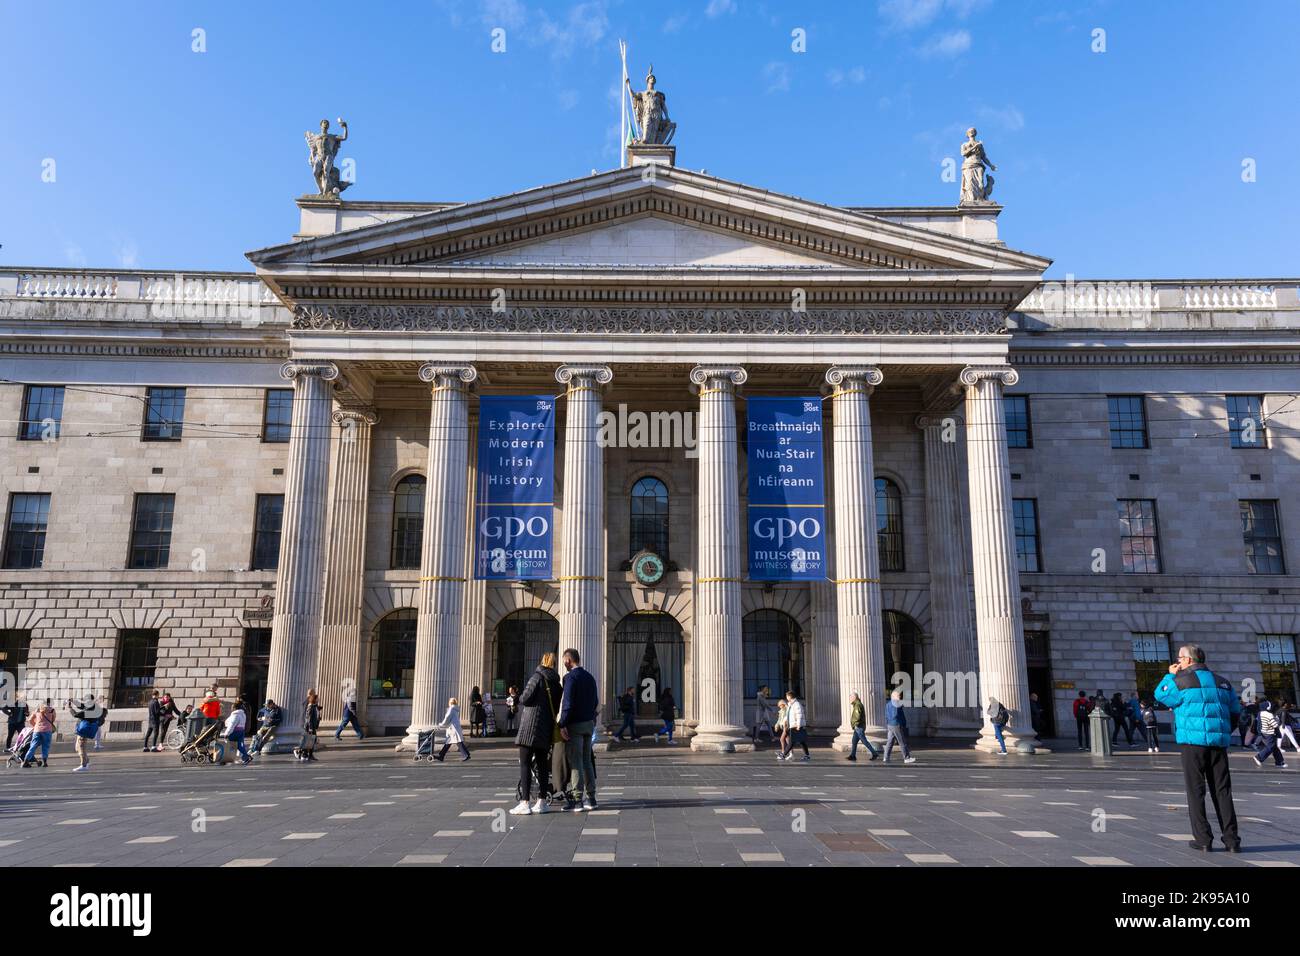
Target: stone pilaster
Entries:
(295, 627)
(473, 641)
(822, 677)
(998, 626)
(857, 556)
(582, 534)
(443, 554)
(339, 666)
(717, 660)
(948, 557)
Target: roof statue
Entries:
(976, 184)
(322, 147)
(651, 114)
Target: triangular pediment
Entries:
(667, 218)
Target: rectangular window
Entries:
(151, 531)
(29, 516)
(1019, 432)
(1128, 421)
(1246, 421)
(1261, 532)
(1278, 664)
(137, 658)
(1139, 536)
(1028, 554)
(266, 532)
(277, 414)
(15, 645)
(1150, 661)
(42, 413)
(164, 413)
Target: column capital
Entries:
(730, 375)
(327, 371)
(862, 378)
(974, 374)
(448, 376)
(354, 413)
(602, 374)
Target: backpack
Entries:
(87, 728)
(1080, 704)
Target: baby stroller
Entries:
(428, 739)
(204, 746)
(15, 753)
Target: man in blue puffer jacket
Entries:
(1205, 709)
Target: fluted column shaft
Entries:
(443, 547)
(857, 555)
(339, 667)
(295, 627)
(948, 554)
(473, 641)
(999, 628)
(717, 660)
(582, 536)
(822, 684)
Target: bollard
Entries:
(1099, 727)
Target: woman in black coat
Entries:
(539, 704)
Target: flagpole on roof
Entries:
(622, 100)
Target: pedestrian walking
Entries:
(1204, 706)
(1286, 727)
(153, 727)
(475, 712)
(1035, 714)
(1151, 727)
(512, 708)
(489, 716)
(763, 713)
(310, 726)
(235, 730)
(43, 721)
(1246, 721)
(85, 726)
(858, 721)
(627, 710)
(1118, 712)
(1082, 708)
(350, 714)
(781, 729)
(537, 734)
(998, 718)
(896, 727)
(169, 713)
(668, 714)
(1133, 713)
(577, 719)
(454, 735)
(17, 714)
(1268, 734)
(798, 729)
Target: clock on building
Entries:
(648, 568)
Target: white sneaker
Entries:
(79, 769)
(780, 756)
(588, 805)
(520, 808)
(539, 806)
(909, 760)
(672, 743)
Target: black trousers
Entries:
(529, 758)
(1082, 724)
(1208, 767)
(154, 732)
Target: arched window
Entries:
(392, 655)
(649, 514)
(408, 522)
(649, 655)
(522, 638)
(772, 653)
(902, 647)
(889, 524)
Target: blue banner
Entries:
(787, 489)
(515, 498)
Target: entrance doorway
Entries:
(1038, 663)
(255, 666)
(648, 654)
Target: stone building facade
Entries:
(262, 481)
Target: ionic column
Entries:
(822, 677)
(295, 627)
(445, 541)
(582, 534)
(857, 555)
(948, 556)
(718, 662)
(339, 666)
(998, 626)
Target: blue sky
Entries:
(1122, 163)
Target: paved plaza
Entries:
(363, 805)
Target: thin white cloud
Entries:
(510, 14)
(776, 77)
(914, 14)
(947, 44)
(854, 76)
(1009, 118)
(717, 8)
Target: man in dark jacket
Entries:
(154, 729)
(627, 708)
(17, 713)
(577, 721)
(1205, 708)
(539, 704)
(1082, 707)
